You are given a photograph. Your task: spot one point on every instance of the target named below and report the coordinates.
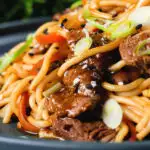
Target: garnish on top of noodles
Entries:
(112, 114)
(143, 48)
(7, 59)
(123, 28)
(83, 44)
(76, 4)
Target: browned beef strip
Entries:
(127, 50)
(81, 92)
(82, 87)
(65, 103)
(126, 75)
(73, 129)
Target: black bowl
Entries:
(12, 139)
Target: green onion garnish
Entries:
(140, 48)
(116, 30)
(112, 114)
(97, 25)
(55, 88)
(86, 13)
(7, 59)
(121, 29)
(83, 45)
(76, 4)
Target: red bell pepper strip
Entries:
(50, 38)
(22, 115)
(132, 130)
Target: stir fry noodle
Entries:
(84, 76)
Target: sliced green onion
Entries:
(83, 45)
(112, 114)
(7, 59)
(76, 4)
(147, 52)
(97, 25)
(86, 13)
(55, 88)
(140, 46)
(121, 29)
(115, 30)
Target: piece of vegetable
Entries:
(55, 88)
(116, 30)
(83, 45)
(7, 59)
(97, 25)
(22, 114)
(112, 114)
(141, 16)
(141, 49)
(132, 130)
(86, 13)
(50, 38)
(121, 29)
(76, 4)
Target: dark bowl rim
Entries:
(70, 144)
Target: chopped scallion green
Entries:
(7, 59)
(55, 88)
(83, 45)
(97, 25)
(139, 49)
(76, 4)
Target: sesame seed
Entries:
(66, 73)
(45, 31)
(31, 54)
(82, 25)
(63, 22)
(139, 26)
(84, 66)
(57, 47)
(76, 81)
(94, 84)
(89, 86)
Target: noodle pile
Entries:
(29, 76)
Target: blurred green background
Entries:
(24, 9)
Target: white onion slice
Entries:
(82, 45)
(141, 16)
(112, 114)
